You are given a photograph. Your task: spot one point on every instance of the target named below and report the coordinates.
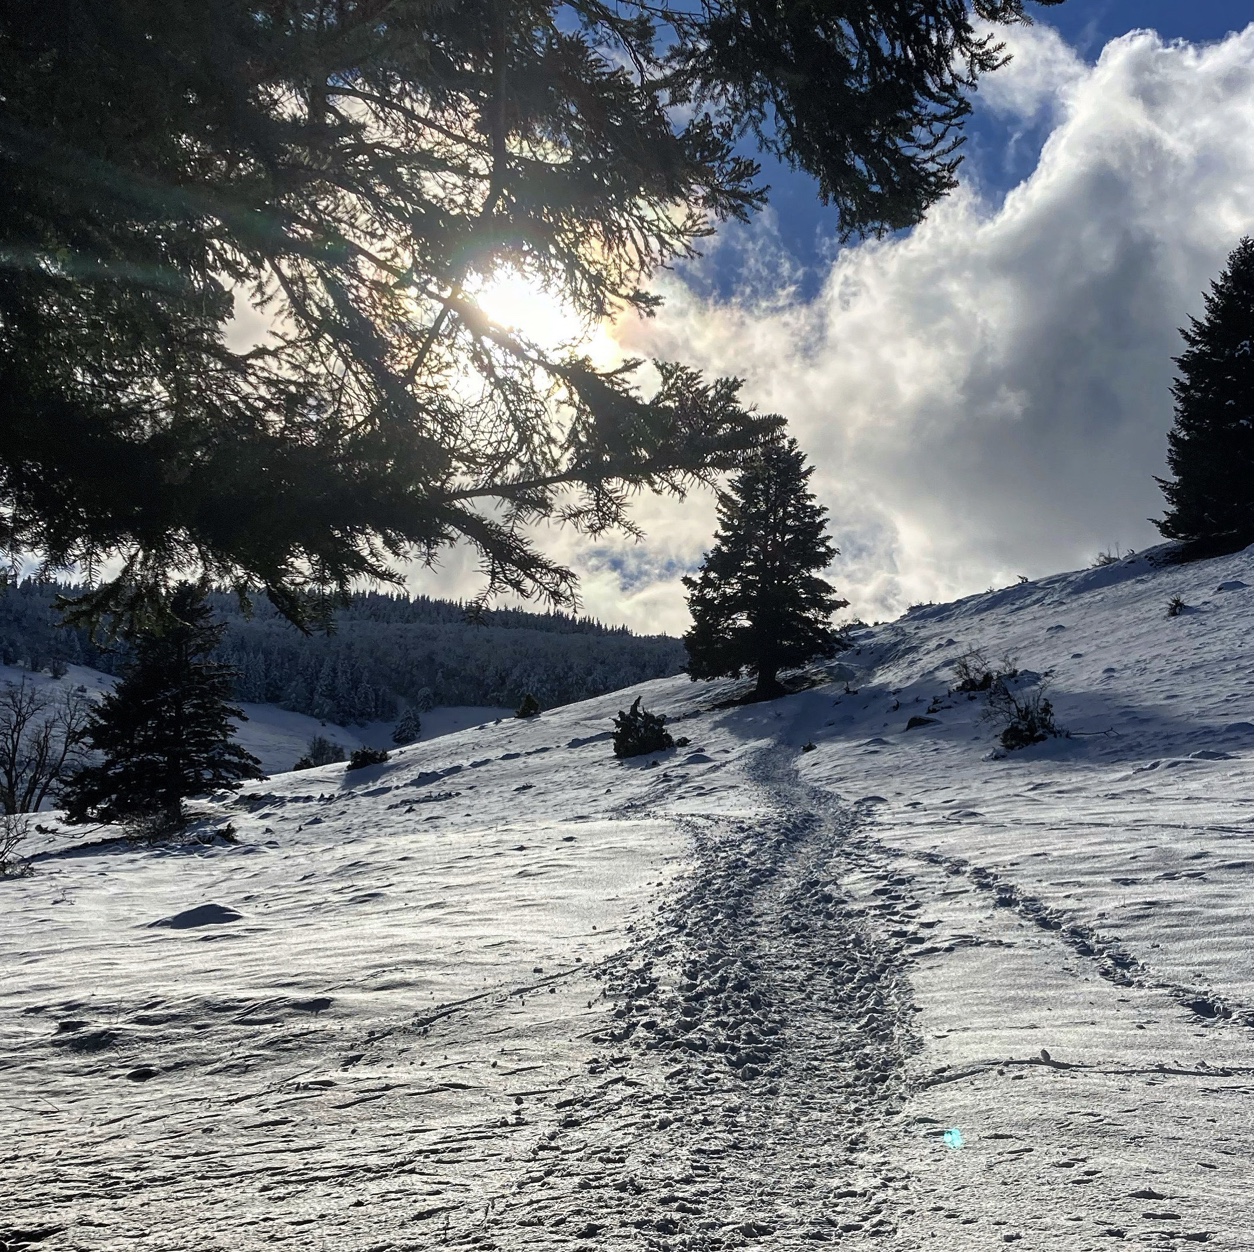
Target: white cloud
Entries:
(1041, 75)
(988, 394)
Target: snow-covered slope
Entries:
(277, 737)
(506, 991)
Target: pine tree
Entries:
(1210, 445)
(165, 730)
(757, 604)
(408, 728)
(361, 172)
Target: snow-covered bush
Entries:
(638, 732)
(320, 751)
(360, 758)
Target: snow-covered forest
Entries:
(385, 652)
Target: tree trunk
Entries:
(767, 687)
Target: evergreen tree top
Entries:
(1222, 339)
(1210, 446)
(165, 731)
(757, 603)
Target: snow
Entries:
(277, 737)
(507, 991)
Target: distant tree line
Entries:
(387, 652)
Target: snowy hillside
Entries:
(278, 737)
(813, 977)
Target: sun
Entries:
(520, 305)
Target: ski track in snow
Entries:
(506, 992)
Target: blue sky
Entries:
(996, 156)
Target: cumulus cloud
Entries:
(986, 395)
(1042, 73)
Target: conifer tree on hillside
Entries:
(1210, 445)
(758, 606)
(408, 728)
(165, 731)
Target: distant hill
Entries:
(385, 652)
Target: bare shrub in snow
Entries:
(1176, 605)
(151, 825)
(1109, 557)
(530, 706)
(14, 828)
(320, 751)
(41, 738)
(1025, 714)
(638, 732)
(975, 672)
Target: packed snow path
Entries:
(759, 1033)
(508, 992)
(762, 1090)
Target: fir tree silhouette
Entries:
(408, 728)
(165, 731)
(757, 605)
(1210, 445)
